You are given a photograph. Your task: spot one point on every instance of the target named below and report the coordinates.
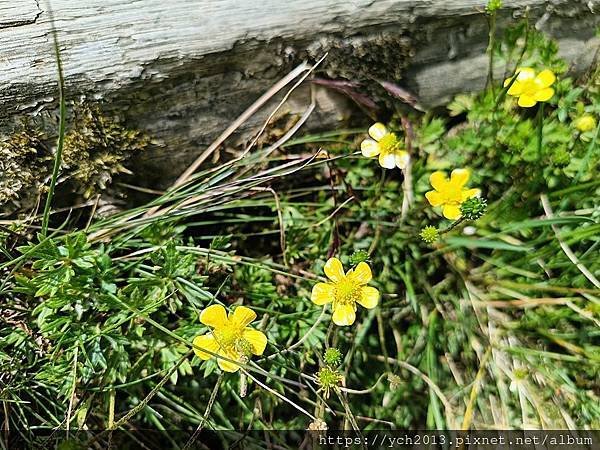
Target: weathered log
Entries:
(183, 69)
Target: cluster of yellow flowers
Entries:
(231, 339)
(449, 194)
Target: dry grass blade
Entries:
(565, 247)
(239, 121)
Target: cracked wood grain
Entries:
(184, 69)
(15, 14)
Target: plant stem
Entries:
(588, 154)
(61, 128)
(499, 99)
(211, 402)
(371, 206)
(468, 416)
(490, 49)
(453, 225)
(540, 130)
(136, 409)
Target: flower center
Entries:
(347, 292)
(453, 195)
(227, 336)
(388, 143)
(232, 339)
(530, 87)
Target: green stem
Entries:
(381, 332)
(453, 225)
(61, 128)
(504, 91)
(211, 401)
(491, 43)
(540, 130)
(378, 219)
(498, 100)
(136, 409)
(588, 154)
(525, 41)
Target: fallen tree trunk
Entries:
(184, 70)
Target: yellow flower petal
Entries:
(205, 342)
(387, 160)
(469, 193)
(526, 101)
(402, 159)
(369, 297)
(451, 212)
(377, 131)
(334, 269)
(214, 316)
(242, 315)
(257, 340)
(227, 366)
(344, 315)
(544, 95)
(369, 148)
(434, 198)
(460, 177)
(515, 89)
(525, 73)
(545, 79)
(438, 180)
(362, 273)
(322, 293)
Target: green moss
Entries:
(97, 149)
(383, 56)
(24, 165)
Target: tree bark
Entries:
(183, 69)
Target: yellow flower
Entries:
(386, 145)
(345, 290)
(450, 194)
(585, 123)
(230, 336)
(531, 88)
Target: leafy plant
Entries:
(488, 319)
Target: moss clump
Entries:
(97, 149)
(25, 163)
(382, 56)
